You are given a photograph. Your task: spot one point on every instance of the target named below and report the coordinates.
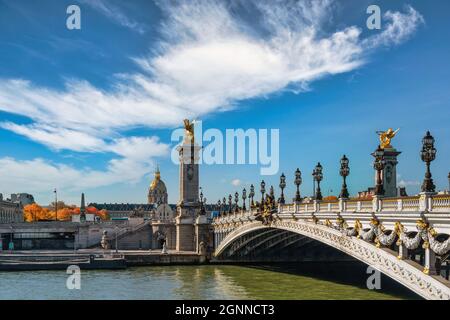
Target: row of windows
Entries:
(10, 215)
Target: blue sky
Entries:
(92, 110)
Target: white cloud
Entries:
(405, 183)
(399, 28)
(208, 60)
(236, 182)
(135, 159)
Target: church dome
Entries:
(157, 192)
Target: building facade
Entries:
(10, 211)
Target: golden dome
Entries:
(156, 180)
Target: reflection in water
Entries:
(197, 282)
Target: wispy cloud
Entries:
(116, 14)
(209, 58)
(236, 182)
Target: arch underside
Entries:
(299, 240)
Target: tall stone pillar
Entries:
(389, 173)
(189, 206)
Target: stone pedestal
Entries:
(376, 203)
(185, 234)
(342, 204)
(201, 232)
(425, 201)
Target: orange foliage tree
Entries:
(330, 198)
(34, 212)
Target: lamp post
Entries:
(252, 194)
(117, 233)
(272, 194)
(219, 206)
(282, 186)
(244, 196)
(428, 154)
(298, 182)
(56, 204)
(263, 190)
(378, 165)
(230, 203)
(236, 200)
(448, 182)
(344, 172)
(318, 176)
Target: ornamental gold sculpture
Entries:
(189, 131)
(386, 137)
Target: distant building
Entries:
(10, 211)
(22, 198)
(155, 208)
(370, 192)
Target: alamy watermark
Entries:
(374, 280)
(236, 146)
(73, 281)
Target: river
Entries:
(202, 282)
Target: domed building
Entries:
(157, 193)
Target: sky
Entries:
(93, 110)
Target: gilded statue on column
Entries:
(386, 137)
(189, 131)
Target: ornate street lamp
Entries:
(252, 194)
(244, 196)
(448, 182)
(236, 200)
(203, 209)
(344, 172)
(428, 154)
(318, 176)
(378, 165)
(298, 182)
(263, 190)
(224, 205)
(219, 206)
(230, 203)
(282, 186)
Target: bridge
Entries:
(406, 238)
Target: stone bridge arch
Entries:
(404, 272)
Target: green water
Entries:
(192, 282)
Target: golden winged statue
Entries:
(386, 137)
(189, 131)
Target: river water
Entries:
(201, 282)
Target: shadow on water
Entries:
(349, 273)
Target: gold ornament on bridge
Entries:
(386, 137)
